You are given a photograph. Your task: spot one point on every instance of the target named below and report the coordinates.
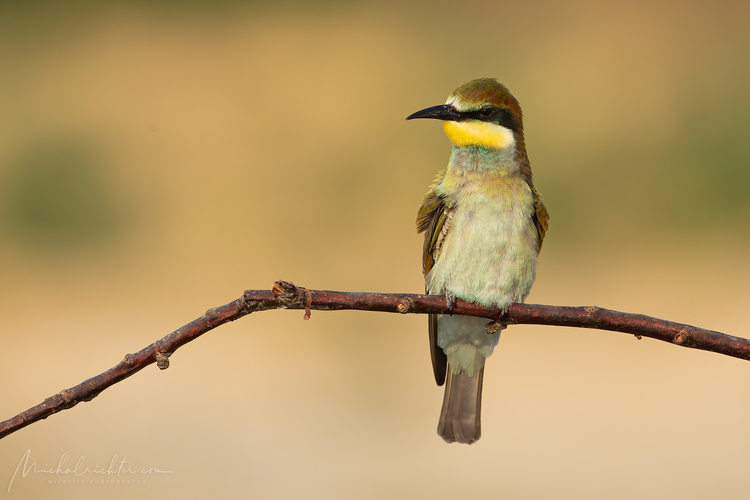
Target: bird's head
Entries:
(479, 113)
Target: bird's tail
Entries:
(462, 406)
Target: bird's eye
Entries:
(487, 112)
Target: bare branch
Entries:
(288, 296)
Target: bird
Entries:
(484, 223)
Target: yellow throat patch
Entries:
(477, 133)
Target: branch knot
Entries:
(495, 326)
(288, 295)
(291, 296)
(405, 305)
(592, 311)
(162, 360)
(681, 337)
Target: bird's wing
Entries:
(541, 217)
(431, 219)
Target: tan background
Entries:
(156, 160)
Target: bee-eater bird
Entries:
(484, 223)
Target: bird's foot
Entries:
(450, 301)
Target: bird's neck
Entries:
(484, 160)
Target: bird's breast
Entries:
(488, 254)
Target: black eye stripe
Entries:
(502, 117)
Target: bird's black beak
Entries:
(442, 112)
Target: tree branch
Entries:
(287, 295)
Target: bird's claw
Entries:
(450, 303)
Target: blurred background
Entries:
(158, 158)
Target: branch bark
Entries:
(288, 296)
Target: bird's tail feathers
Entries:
(460, 416)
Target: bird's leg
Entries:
(450, 301)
